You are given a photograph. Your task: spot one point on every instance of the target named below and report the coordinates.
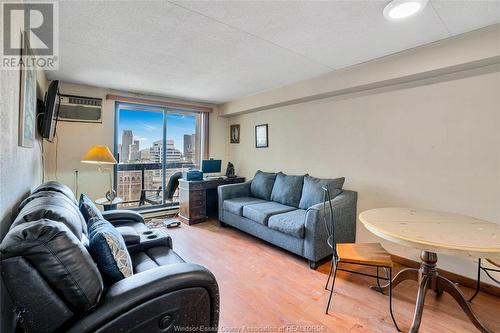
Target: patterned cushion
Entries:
(312, 191)
(108, 250)
(88, 209)
(262, 185)
(287, 189)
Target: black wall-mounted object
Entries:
(49, 111)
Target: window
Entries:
(153, 145)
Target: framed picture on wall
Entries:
(27, 101)
(261, 139)
(234, 133)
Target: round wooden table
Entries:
(434, 232)
(109, 205)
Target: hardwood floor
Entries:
(264, 289)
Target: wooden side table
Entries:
(109, 205)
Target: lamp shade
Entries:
(99, 155)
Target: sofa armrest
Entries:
(155, 297)
(118, 217)
(344, 218)
(226, 192)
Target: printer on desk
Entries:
(193, 174)
(210, 166)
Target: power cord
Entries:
(57, 148)
(40, 143)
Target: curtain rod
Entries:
(159, 103)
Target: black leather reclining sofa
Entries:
(55, 286)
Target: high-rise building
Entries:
(172, 154)
(134, 151)
(155, 154)
(188, 147)
(127, 138)
(144, 155)
(195, 156)
(129, 186)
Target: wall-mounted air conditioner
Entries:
(80, 109)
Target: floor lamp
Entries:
(101, 155)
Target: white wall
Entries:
(75, 139)
(432, 146)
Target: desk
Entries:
(434, 232)
(198, 199)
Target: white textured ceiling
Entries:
(221, 51)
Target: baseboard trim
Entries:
(460, 279)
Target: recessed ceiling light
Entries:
(400, 9)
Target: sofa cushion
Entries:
(56, 187)
(56, 208)
(262, 185)
(88, 208)
(287, 189)
(57, 254)
(312, 191)
(290, 223)
(108, 250)
(51, 194)
(261, 212)
(235, 205)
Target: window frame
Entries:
(204, 143)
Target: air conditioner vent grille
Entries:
(80, 109)
(85, 101)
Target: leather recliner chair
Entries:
(55, 286)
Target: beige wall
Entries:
(20, 167)
(74, 139)
(419, 128)
(432, 146)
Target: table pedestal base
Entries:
(428, 278)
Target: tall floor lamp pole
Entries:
(102, 156)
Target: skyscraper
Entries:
(188, 147)
(195, 156)
(127, 138)
(172, 154)
(134, 151)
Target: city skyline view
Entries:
(147, 127)
(140, 143)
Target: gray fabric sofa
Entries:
(287, 211)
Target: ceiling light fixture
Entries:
(400, 9)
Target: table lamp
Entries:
(101, 155)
